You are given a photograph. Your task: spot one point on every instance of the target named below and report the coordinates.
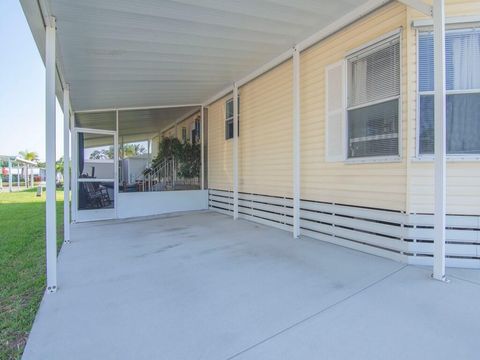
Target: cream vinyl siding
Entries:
(219, 149)
(381, 185)
(169, 132)
(265, 141)
(187, 123)
(463, 188)
(463, 177)
(265, 157)
(155, 146)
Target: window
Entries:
(184, 134)
(373, 100)
(229, 118)
(463, 92)
(196, 131)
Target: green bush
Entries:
(186, 156)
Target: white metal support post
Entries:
(202, 144)
(115, 164)
(66, 164)
(235, 151)
(74, 172)
(18, 176)
(10, 175)
(296, 142)
(440, 140)
(51, 236)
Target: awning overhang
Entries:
(117, 54)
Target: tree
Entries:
(29, 155)
(102, 154)
(131, 150)
(59, 165)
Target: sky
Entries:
(22, 87)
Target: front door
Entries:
(94, 172)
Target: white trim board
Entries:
(473, 21)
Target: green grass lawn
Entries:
(22, 265)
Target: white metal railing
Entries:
(164, 177)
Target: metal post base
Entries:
(443, 279)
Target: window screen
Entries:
(462, 55)
(373, 100)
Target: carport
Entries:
(111, 56)
(200, 285)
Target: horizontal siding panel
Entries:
(265, 207)
(356, 246)
(359, 184)
(219, 150)
(265, 150)
(267, 199)
(265, 222)
(338, 209)
(369, 226)
(375, 240)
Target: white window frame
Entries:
(344, 134)
(184, 135)
(230, 118)
(364, 48)
(431, 157)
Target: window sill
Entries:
(450, 158)
(373, 160)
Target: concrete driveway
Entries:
(202, 286)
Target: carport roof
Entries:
(125, 53)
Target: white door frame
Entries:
(101, 214)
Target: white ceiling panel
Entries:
(135, 53)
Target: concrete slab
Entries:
(202, 286)
(406, 316)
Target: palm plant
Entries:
(29, 155)
(131, 150)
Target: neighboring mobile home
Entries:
(335, 135)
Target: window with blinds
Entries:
(462, 55)
(229, 118)
(373, 100)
